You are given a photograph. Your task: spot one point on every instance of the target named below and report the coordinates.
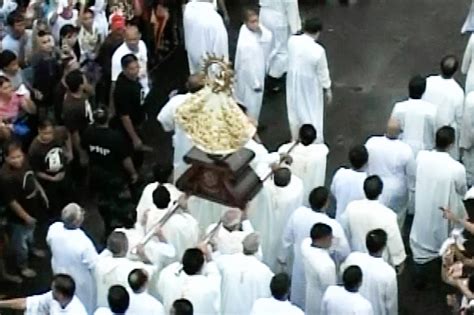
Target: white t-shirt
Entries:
(46, 304)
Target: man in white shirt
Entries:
(417, 117)
(272, 207)
(347, 183)
(466, 141)
(394, 162)
(118, 300)
(319, 268)
(181, 142)
(282, 18)
(298, 228)
(380, 279)
(204, 33)
(307, 81)
(196, 279)
(132, 45)
(445, 180)
(308, 159)
(278, 304)
(60, 300)
(448, 96)
(141, 302)
(113, 266)
(363, 216)
(244, 278)
(252, 49)
(346, 299)
(73, 253)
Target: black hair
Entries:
(282, 177)
(445, 136)
(313, 25)
(162, 172)
(307, 134)
(101, 115)
(12, 145)
(3, 79)
(67, 30)
(137, 279)
(449, 65)
(280, 286)
(358, 156)
(376, 240)
(74, 80)
(161, 197)
(118, 299)
(64, 284)
(352, 278)
(318, 198)
(193, 261)
(15, 17)
(45, 123)
(183, 307)
(128, 59)
(6, 58)
(248, 11)
(416, 87)
(373, 187)
(319, 231)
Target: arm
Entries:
(76, 144)
(127, 124)
(466, 61)
(293, 15)
(130, 169)
(223, 7)
(21, 212)
(27, 105)
(15, 304)
(323, 75)
(395, 245)
(391, 297)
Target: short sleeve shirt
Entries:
(128, 99)
(49, 158)
(75, 113)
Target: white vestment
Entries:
(363, 216)
(466, 141)
(111, 271)
(205, 211)
(282, 18)
(202, 290)
(379, 283)
(418, 121)
(298, 228)
(45, 304)
(181, 142)
(269, 212)
(273, 306)
(204, 33)
(467, 66)
(143, 303)
(468, 25)
(250, 68)
(338, 300)
(320, 273)
(393, 161)
(146, 199)
(347, 185)
(244, 280)
(440, 182)
(309, 164)
(73, 253)
(261, 163)
(448, 96)
(307, 76)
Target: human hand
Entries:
(328, 94)
(30, 220)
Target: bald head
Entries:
(72, 216)
(449, 66)
(195, 82)
(231, 218)
(393, 128)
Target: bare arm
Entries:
(28, 106)
(130, 169)
(20, 212)
(127, 124)
(15, 304)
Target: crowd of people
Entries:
(73, 80)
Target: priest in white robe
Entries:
(445, 92)
(319, 268)
(113, 267)
(309, 159)
(379, 286)
(307, 80)
(467, 66)
(298, 228)
(251, 63)
(417, 117)
(347, 183)
(278, 304)
(282, 18)
(204, 33)
(271, 208)
(244, 277)
(346, 299)
(196, 279)
(73, 253)
(181, 230)
(181, 142)
(466, 141)
(363, 216)
(393, 161)
(141, 302)
(445, 180)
